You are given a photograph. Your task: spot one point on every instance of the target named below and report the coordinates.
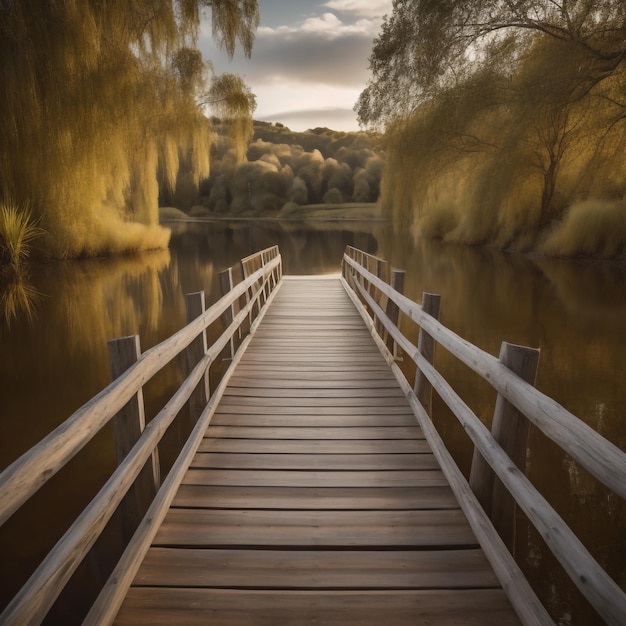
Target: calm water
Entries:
(574, 312)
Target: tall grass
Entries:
(17, 232)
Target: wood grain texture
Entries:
(315, 498)
(164, 607)
(312, 569)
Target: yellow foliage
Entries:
(499, 159)
(95, 101)
(592, 227)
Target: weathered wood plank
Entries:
(321, 462)
(315, 446)
(333, 375)
(295, 569)
(360, 392)
(310, 478)
(319, 419)
(352, 400)
(372, 529)
(312, 498)
(270, 370)
(261, 409)
(252, 432)
(163, 607)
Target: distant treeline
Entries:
(282, 170)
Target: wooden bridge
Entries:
(313, 488)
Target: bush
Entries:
(17, 232)
(333, 196)
(593, 227)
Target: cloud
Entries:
(305, 119)
(327, 25)
(373, 9)
(340, 61)
(320, 51)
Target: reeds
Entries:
(17, 232)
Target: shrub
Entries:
(17, 232)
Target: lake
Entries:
(55, 359)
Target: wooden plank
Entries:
(371, 529)
(366, 370)
(323, 498)
(315, 446)
(255, 408)
(312, 569)
(320, 462)
(252, 432)
(325, 377)
(353, 400)
(302, 394)
(272, 419)
(310, 478)
(164, 607)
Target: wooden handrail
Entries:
(596, 454)
(20, 480)
(108, 602)
(610, 468)
(29, 472)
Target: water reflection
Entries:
(18, 299)
(574, 312)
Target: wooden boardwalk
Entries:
(314, 497)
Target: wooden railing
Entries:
(135, 484)
(498, 457)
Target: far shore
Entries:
(348, 212)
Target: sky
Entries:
(309, 62)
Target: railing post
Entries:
(195, 351)
(249, 291)
(393, 311)
(226, 285)
(128, 424)
(426, 345)
(382, 272)
(510, 429)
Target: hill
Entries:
(283, 171)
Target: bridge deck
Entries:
(314, 497)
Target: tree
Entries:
(231, 100)
(427, 45)
(97, 97)
(495, 113)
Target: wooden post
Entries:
(426, 345)
(226, 285)
(128, 424)
(382, 272)
(392, 311)
(249, 292)
(510, 429)
(195, 351)
(265, 283)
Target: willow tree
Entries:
(499, 103)
(232, 101)
(98, 96)
(427, 45)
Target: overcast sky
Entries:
(309, 62)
